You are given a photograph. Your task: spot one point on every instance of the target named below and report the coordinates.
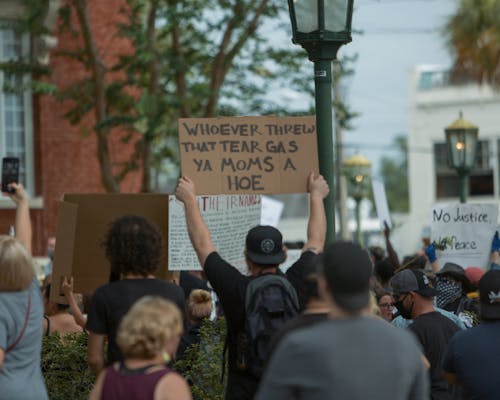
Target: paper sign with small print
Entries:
(248, 155)
(463, 233)
(228, 217)
(381, 203)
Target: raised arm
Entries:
(197, 229)
(316, 226)
(67, 289)
(391, 253)
(23, 222)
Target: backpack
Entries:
(270, 301)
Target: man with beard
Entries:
(413, 296)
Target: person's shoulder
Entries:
(172, 386)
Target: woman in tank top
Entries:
(148, 336)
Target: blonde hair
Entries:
(16, 265)
(199, 305)
(148, 326)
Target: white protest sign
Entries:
(466, 231)
(228, 217)
(381, 203)
(271, 211)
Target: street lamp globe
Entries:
(321, 26)
(461, 142)
(357, 170)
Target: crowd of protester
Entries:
(342, 322)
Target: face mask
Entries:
(50, 253)
(403, 311)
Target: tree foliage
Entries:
(197, 58)
(394, 171)
(473, 37)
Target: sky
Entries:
(396, 36)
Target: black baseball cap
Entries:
(347, 269)
(489, 295)
(264, 245)
(412, 280)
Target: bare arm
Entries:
(172, 387)
(391, 253)
(23, 222)
(197, 229)
(316, 227)
(67, 289)
(96, 392)
(95, 356)
(2, 355)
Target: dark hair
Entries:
(133, 245)
(377, 253)
(46, 291)
(384, 270)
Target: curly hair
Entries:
(133, 245)
(199, 305)
(148, 327)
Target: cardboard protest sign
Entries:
(381, 203)
(82, 223)
(465, 231)
(245, 155)
(228, 217)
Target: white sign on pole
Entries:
(466, 232)
(381, 203)
(271, 211)
(228, 217)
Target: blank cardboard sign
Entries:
(82, 223)
(248, 155)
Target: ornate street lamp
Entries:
(321, 27)
(461, 141)
(357, 170)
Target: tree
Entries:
(395, 175)
(197, 58)
(473, 37)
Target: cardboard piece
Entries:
(82, 223)
(467, 231)
(248, 155)
(228, 218)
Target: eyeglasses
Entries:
(386, 305)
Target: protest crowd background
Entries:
(341, 322)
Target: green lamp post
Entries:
(461, 141)
(357, 170)
(321, 27)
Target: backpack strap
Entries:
(13, 345)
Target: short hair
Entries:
(16, 265)
(133, 245)
(199, 305)
(148, 326)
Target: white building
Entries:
(434, 105)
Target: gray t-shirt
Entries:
(21, 376)
(355, 358)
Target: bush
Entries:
(202, 363)
(64, 367)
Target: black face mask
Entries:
(403, 311)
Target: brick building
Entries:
(56, 157)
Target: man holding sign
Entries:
(263, 253)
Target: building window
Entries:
(480, 179)
(16, 132)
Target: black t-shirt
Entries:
(111, 302)
(230, 286)
(434, 332)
